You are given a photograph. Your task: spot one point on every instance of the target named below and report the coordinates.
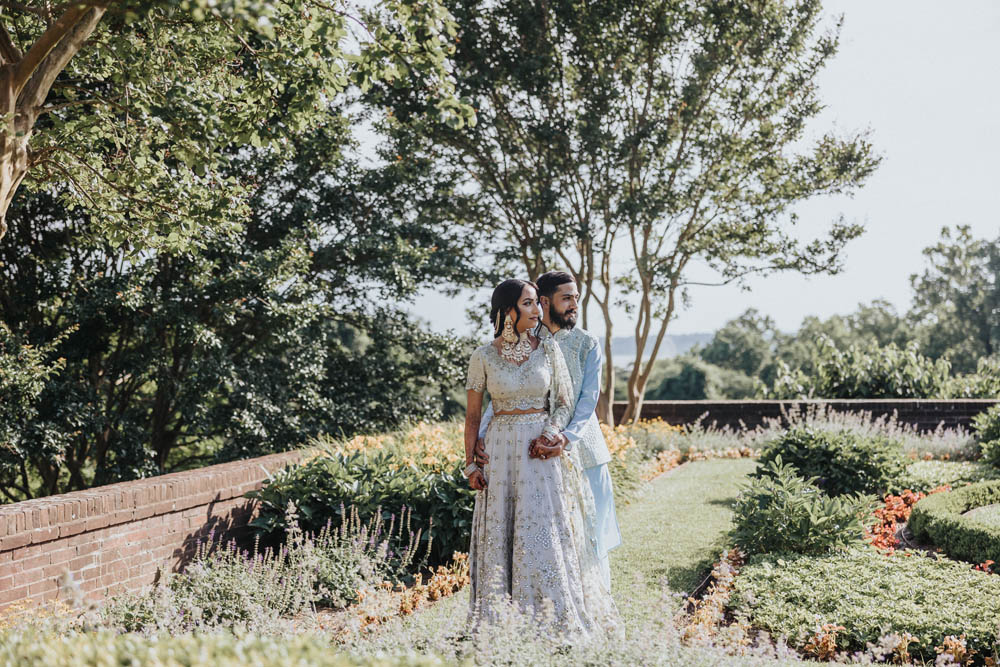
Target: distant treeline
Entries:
(946, 345)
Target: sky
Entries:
(924, 77)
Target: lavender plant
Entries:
(262, 589)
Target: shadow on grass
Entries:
(723, 502)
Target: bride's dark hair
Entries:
(505, 296)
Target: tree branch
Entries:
(50, 54)
(8, 51)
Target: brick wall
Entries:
(114, 538)
(924, 414)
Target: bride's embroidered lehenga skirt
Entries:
(529, 539)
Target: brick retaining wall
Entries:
(114, 538)
(924, 414)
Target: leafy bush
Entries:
(984, 383)
(987, 428)
(419, 470)
(939, 519)
(922, 476)
(842, 461)
(871, 596)
(870, 371)
(782, 512)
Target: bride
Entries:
(534, 525)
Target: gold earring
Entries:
(508, 330)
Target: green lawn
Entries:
(674, 531)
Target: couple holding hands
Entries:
(544, 518)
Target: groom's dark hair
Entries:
(549, 282)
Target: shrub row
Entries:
(938, 519)
(875, 598)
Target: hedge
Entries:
(938, 519)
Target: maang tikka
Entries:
(514, 348)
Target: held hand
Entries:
(544, 445)
(548, 451)
(479, 453)
(477, 481)
(533, 446)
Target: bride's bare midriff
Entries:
(533, 411)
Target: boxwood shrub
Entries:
(841, 461)
(871, 595)
(938, 519)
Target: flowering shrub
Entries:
(226, 587)
(882, 535)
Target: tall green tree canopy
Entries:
(675, 131)
(134, 109)
(956, 300)
(120, 365)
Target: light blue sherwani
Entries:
(582, 351)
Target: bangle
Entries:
(469, 469)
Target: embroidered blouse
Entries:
(540, 382)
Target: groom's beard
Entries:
(563, 320)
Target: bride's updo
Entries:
(505, 296)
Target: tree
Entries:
(955, 303)
(246, 344)
(743, 344)
(669, 127)
(133, 111)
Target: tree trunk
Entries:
(13, 145)
(25, 81)
(605, 403)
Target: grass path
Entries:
(671, 534)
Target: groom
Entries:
(560, 297)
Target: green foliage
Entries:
(143, 125)
(987, 427)
(372, 483)
(780, 512)
(626, 475)
(743, 344)
(956, 305)
(922, 476)
(689, 377)
(101, 648)
(872, 596)
(842, 461)
(24, 372)
(984, 383)
(225, 587)
(248, 344)
(939, 519)
(868, 371)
